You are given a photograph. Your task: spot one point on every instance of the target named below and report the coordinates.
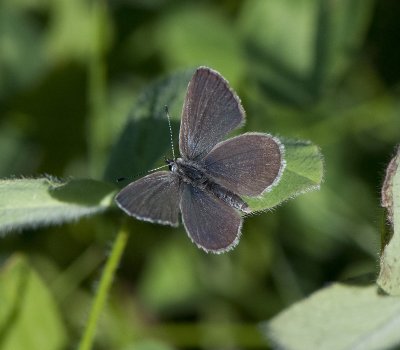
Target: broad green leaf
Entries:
(30, 203)
(29, 318)
(300, 48)
(145, 138)
(338, 317)
(303, 173)
(389, 276)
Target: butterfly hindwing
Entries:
(247, 164)
(210, 223)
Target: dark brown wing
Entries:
(247, 164)
(211, 224)
(153, 198)
(210, 111)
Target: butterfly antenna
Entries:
(160, 167)
(120, 179)
(170, 131)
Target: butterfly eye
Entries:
(171, 165)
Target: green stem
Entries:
(104, 288)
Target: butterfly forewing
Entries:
(153, 198)
(247, 164)
(210, 223)
(210, 111)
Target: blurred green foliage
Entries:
(26, 301)
(70, 71)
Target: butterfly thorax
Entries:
(192, 173)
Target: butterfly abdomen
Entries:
(227, 196)
(193, 174)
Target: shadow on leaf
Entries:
(83, 191)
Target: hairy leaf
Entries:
(29, 203)
(338, 317)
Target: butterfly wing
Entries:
(211, 224)
(210, 111)
(247, 164)
(153, 198)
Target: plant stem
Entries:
(104, 288)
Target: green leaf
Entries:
(338, 317)
(29, 318)
(303, 173)
(30, 203)
(389, 276)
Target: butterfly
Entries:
(207, 182)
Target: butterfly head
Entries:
(171, 164)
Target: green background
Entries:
(70, 73)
